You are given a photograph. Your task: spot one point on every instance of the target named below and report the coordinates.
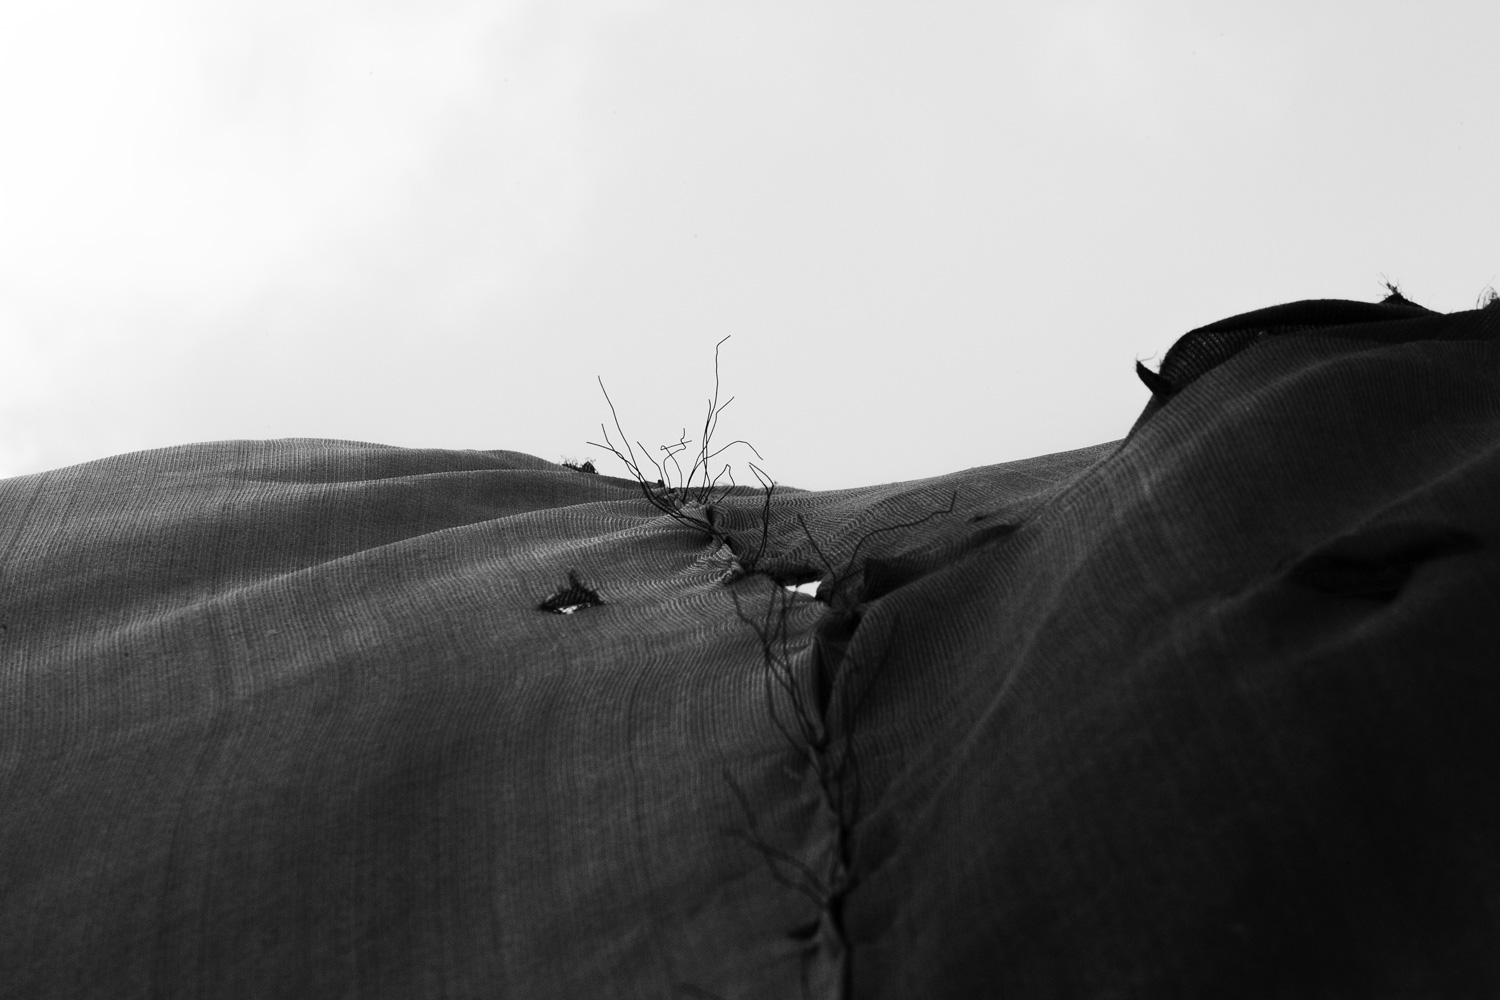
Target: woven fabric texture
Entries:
(1212, 710)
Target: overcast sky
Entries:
(940, 235)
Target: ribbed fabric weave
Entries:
(1213, 710)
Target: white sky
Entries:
(940, 234)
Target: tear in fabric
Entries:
(573, 597)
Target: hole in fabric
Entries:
(798, 579)
(573, 597)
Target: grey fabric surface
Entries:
(1213, 710)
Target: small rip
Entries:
(798, 580)
(573, 597)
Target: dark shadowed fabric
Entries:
(1210, 711)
